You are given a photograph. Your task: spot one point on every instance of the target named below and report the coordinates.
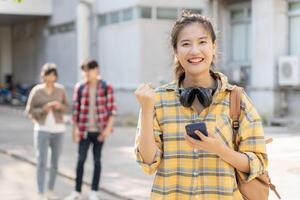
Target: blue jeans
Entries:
(84, 144)
(43, 140)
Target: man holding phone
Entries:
(93, 116)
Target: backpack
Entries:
(80, 89)
(257, 188)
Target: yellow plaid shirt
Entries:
(184, 173)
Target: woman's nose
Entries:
(195, 49)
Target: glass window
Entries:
(237, 15)
(294, 28)
(167, 13)
(238, 42)
(114, 17)
(294, 6)
(62, 28)
(294, 32)
(241, 35)
(127, 14)
(102, 20)
(193, 10)
(144, 12)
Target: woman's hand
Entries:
(145, 96)
(47, 107)
(211, 143)
(56, 105)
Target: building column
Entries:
(83, 33)
(5, 52)
(267, 19)
(215, 13)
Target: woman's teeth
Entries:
(195, 60)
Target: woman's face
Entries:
(195, 49)
(50, 78)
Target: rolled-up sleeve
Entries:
(152, 167)
(252, 140)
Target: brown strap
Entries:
(235, 112)
(272, 187)
(235, 103)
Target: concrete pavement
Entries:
(122, 178)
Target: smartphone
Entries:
(191, 128)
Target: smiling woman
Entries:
(187, 168)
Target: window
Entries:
(62, 28)
(167, 13)
(294, 28)
(241, 35)
(193, 10)
(114, 17)
(144, 12)
(102, 20)
(127, 14)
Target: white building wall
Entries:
(119, 59)
(138, 50)
(61, 49)
(62, 46)
(27, 7)
(157, 53)
(63, 11)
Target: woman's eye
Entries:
(203, 42)
(185, 44)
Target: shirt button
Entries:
(195, 173)
(195, 151)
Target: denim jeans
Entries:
(91, 138)
(43, 140)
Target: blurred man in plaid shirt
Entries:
(93, 116)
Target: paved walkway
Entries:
(122, 178)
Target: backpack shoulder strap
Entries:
(235, 111)
(79, 92)
(79, 95)
(104, 86)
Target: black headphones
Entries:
(187, 96)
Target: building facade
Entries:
(131, 41)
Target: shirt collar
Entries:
(223, 84)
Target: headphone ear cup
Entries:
(187, 97)
(204, 96)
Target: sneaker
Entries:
(93, 195)
(51, 196)
(73, 196)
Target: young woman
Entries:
(187, 168)
(46, 105)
